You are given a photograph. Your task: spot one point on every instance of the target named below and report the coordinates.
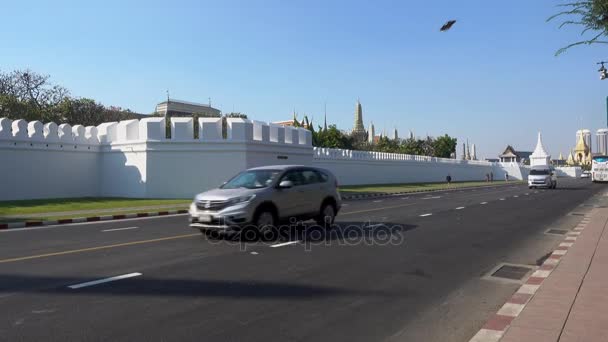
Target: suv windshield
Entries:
(538, 172)
(254, 179)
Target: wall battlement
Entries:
(153, 129)
(342, 154)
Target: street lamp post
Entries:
(603, 75)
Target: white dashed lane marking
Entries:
(117, 229)
(105, 280)
(459, 208)
(425, 215)
(284, 244)
(483, 203)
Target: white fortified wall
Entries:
(132, 158)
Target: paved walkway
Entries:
(571, 304)
(97, 211)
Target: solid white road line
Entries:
(117, 229)
(483, 203)
(377, 201)
(425, 215)
(284, 244)
(502, 199)
(106, 280)
(434, 197)
(460, 208)
(83, 223)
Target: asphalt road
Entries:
(407, 268)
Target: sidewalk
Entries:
(567, 298)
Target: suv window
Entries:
(311, 177)
(295, 176)
(322, 176)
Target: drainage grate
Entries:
(557, 231)
(511, 272)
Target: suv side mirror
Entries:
(286, 184)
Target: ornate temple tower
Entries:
(358, 130)
(540, 156)
(473, 152)
(395, 134)
(371, 133)
(582, 154)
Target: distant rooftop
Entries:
(186, 102)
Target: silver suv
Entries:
(542, 176)
(263, 196)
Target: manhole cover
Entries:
(557, 231)
(511, 272)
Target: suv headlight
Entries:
(239, 200)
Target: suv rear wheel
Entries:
(327, 215)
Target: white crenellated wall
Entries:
(42, 161)
(569, 171)
(133, 158)
(363, 167)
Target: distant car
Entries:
(586, 174)
(262, 197)
(542, 177)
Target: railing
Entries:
(342, 154)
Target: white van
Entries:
(542, 177)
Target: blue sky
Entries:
(492, 79)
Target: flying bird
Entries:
(447, 25)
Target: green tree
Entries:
(444, 146)
(591, 15)
(411, 146)
(81, 111)
(28, 95)
(387, 145)
(332, 138)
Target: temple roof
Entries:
(510, 152)
(581, 146)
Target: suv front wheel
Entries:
(265, 222)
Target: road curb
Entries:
(27, 224)
(495, 327)
(391, 194)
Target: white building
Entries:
(173, 107)
(540, 157)
(602, 141)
